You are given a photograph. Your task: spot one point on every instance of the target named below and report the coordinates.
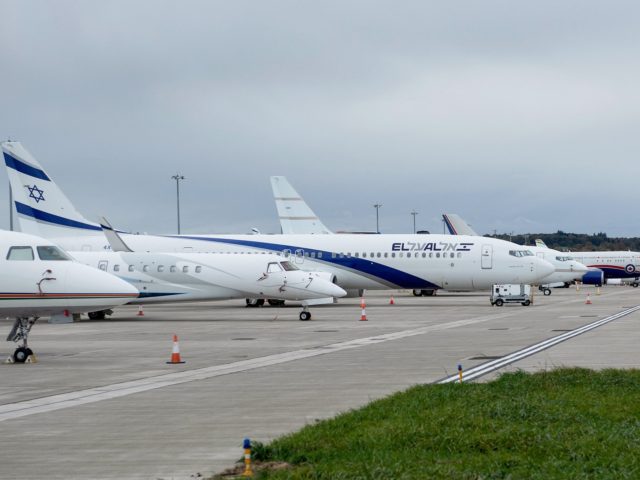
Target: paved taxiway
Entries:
(102, 403)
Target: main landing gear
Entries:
(545, 290)
(305, 314)
(20, 332)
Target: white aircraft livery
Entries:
(37, 278)
(567, 268)
(355, 261)
(612, 264)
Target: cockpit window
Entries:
(49, 252)
(273, 267)
(288, 266)
(564, 259)
(521, 253)
(20, 253)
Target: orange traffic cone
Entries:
(140, 311)
(392, 301)
(363, 316)
(175, 353)
(362, 304)
(588, 302)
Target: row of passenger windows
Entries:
(393, 255)
(47, 252)
(147, 268)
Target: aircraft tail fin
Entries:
(296, 216)
(456, 225)
(540, 243)
(40, 205)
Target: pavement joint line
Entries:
(488, 367)
(117, 390)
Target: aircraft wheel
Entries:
(428, 293)
(526, 303)
(499, 302)
(547, 292)
(304, 316)
(275, 303)
(417, 293)
(21, 354)
(97, 315)
(254, 302)
(635, 284)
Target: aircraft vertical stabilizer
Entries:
(296, 217)
(456, 225)
(40, 206)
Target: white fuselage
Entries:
(31, 286)
(181, 277)
(370, 261)
(622, 264)
(567, 268)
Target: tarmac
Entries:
(102, 403)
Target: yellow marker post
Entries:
(597, 290)
(247, 458)
(460, 373)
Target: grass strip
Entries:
(566, 423)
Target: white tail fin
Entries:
(295, 215)
(41, 207)
(540, 243)
(456, 225)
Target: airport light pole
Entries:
(413, 214)
(177, 177)
(377, 207)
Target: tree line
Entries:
(576, 242)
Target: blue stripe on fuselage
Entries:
(20, 166)
(616, 272)
(386, 274)
(50, 218)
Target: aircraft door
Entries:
(103, 265)
(299, 256)
(487, 257)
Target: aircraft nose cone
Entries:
(544, 268)
(334, 290)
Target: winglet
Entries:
(116, 242)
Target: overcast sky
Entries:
(519, 116)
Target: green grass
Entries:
(569, 423)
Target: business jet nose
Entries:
(543, 268)
(89, 280)
(579, 267)
(330, 289)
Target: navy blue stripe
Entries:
(22, 167)
(619, 272)
(156, 294)
(385, 273)
(50, 218)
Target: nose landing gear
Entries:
(20, 332)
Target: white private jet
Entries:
(567, 268)
(38, 279)
(187, 277)
(357, 262)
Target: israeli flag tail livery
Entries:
(39, 204)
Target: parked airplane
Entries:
(37, 279)
(187, 277)
(612, 264)
(567, 268)
(357, 262)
